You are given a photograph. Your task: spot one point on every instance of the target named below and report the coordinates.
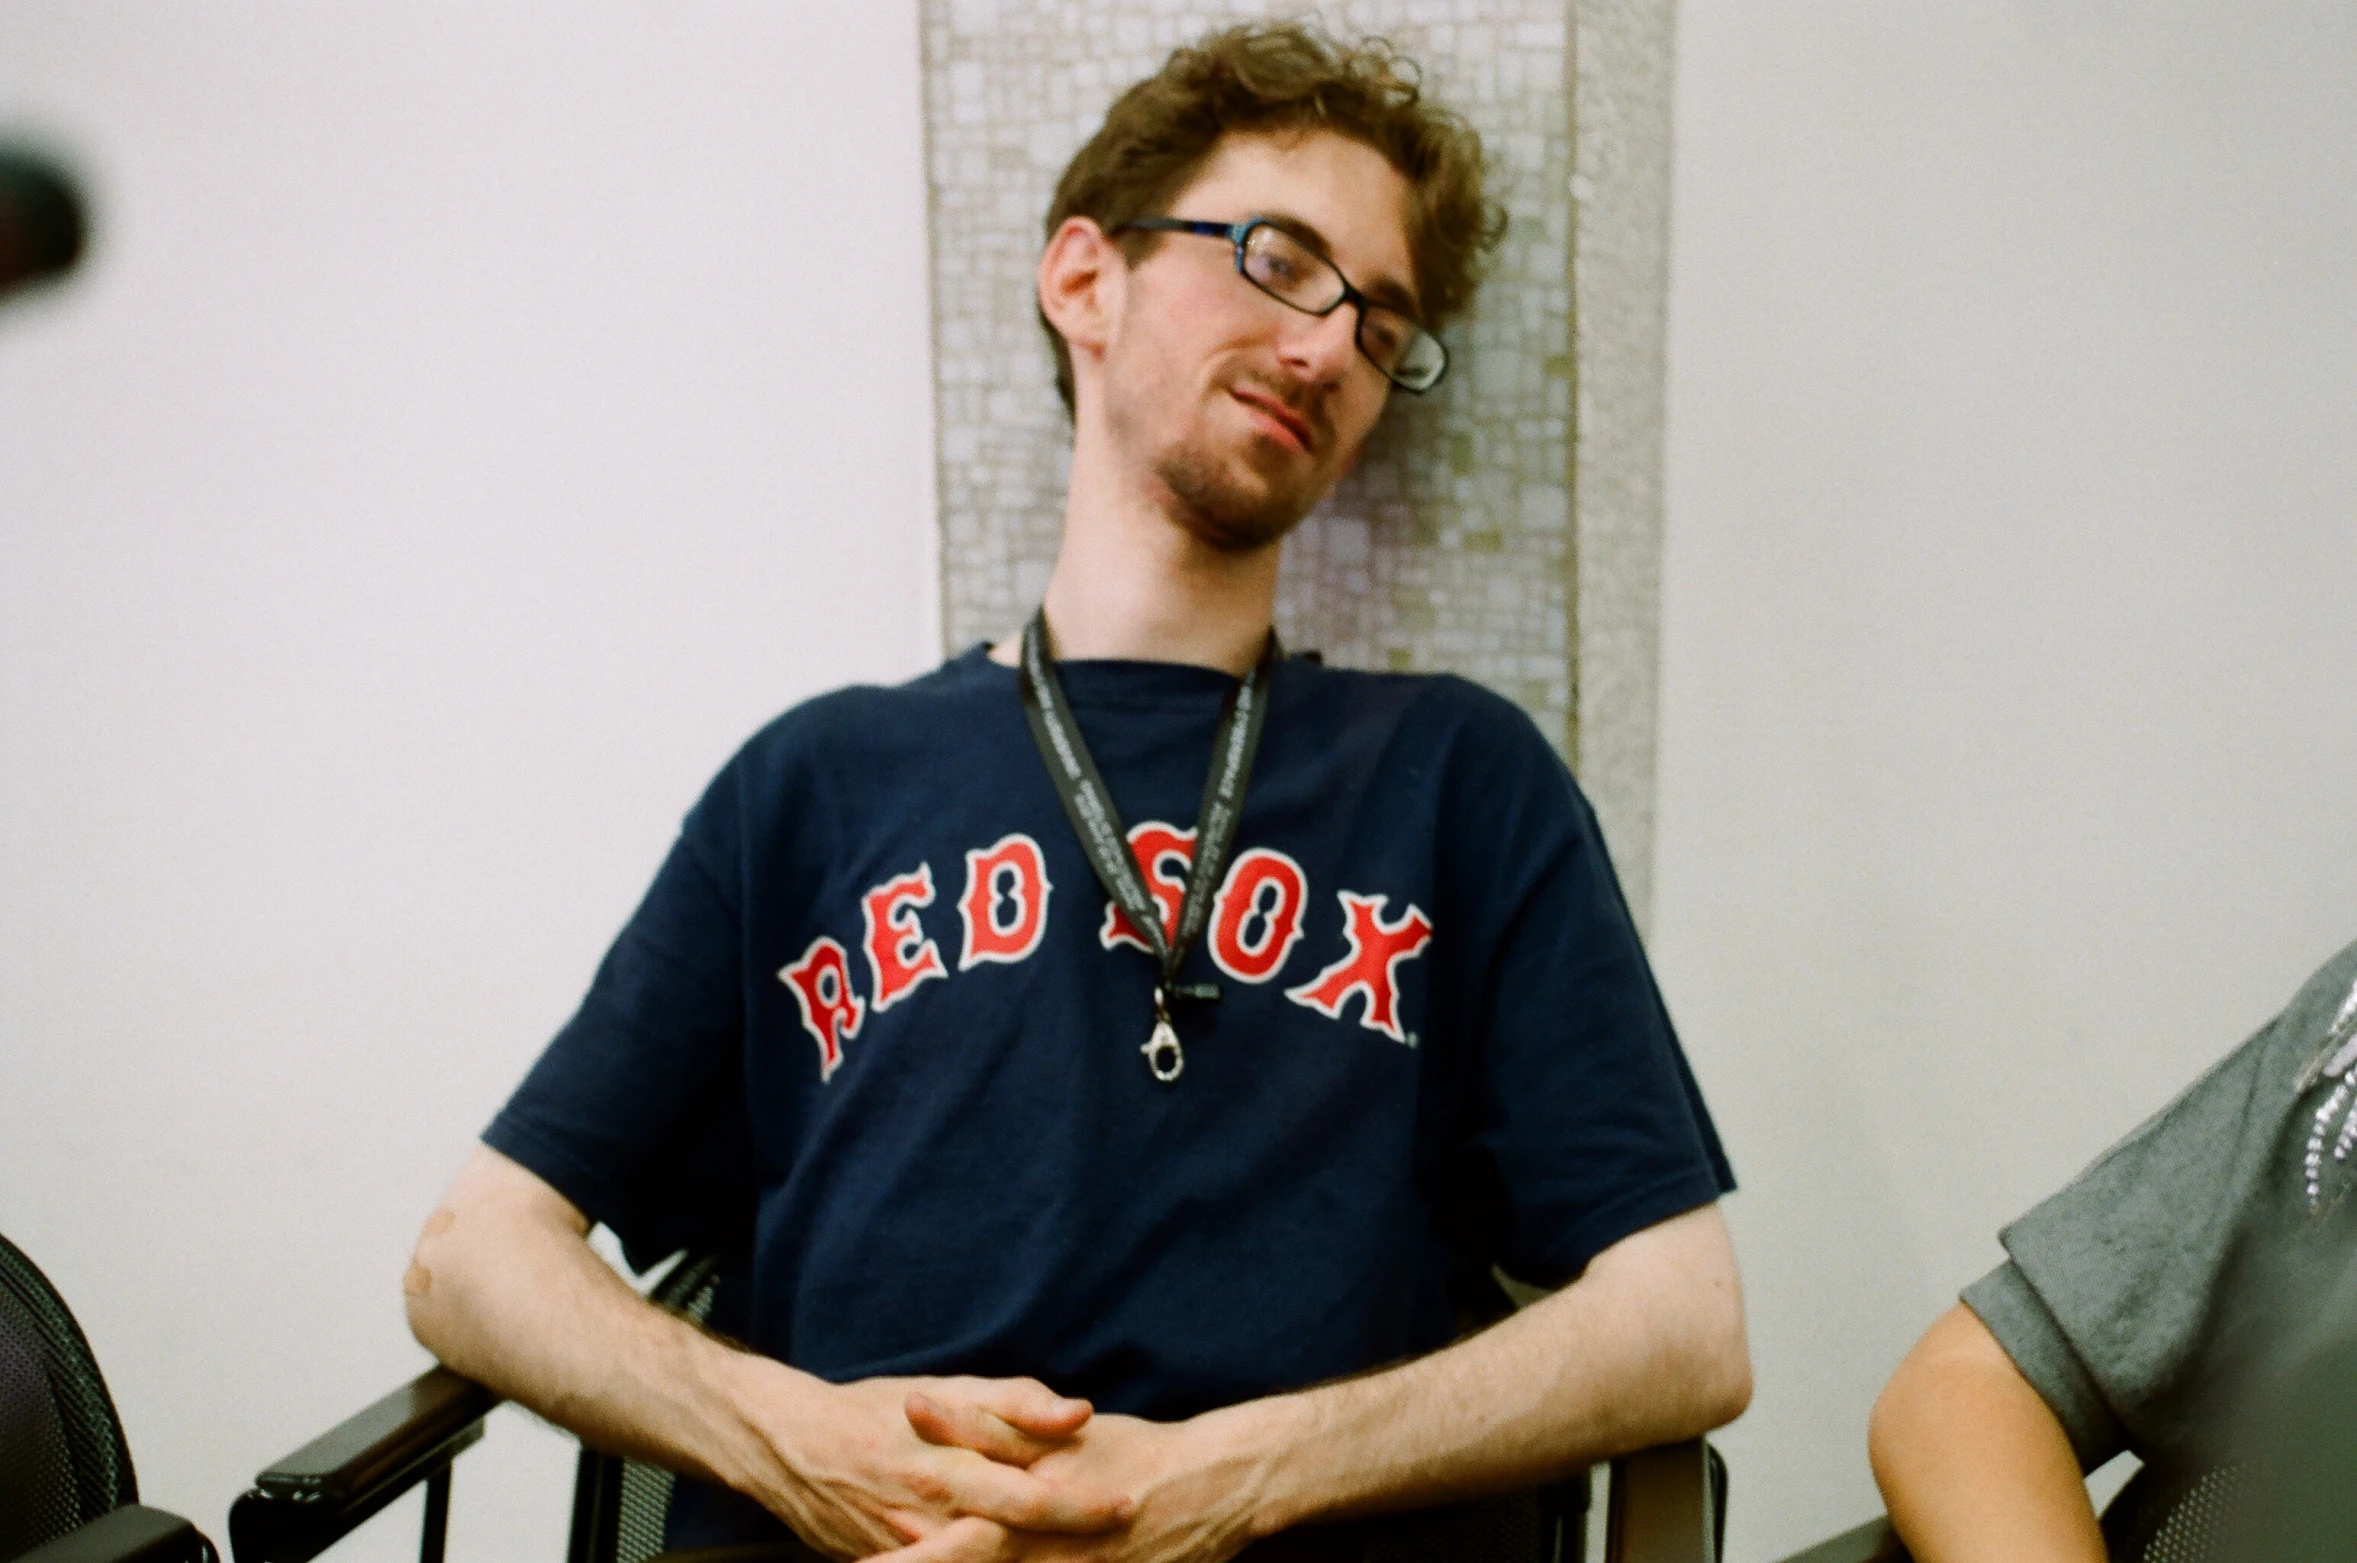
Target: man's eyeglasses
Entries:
(1292, 273)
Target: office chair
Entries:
(67, 1490)
(1665, 1505)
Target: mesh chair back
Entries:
(2167, 1515)
(63, 1462)
(619, 1505)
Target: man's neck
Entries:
(1132, 583)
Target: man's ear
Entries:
(1081, 274)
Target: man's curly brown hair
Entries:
(1274, 78)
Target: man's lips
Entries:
(1294, 425)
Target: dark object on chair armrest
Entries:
(424, 1421)
(1872, 1542)
(1665, 1505)
(308, 1501)
(130, 1534)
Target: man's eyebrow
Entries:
(1387, 291)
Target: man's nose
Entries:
(1323, 348)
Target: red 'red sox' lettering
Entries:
(1370, 966)
(1256, 919)
(1164, 853)
(1005, 907)
(831, 1012)
(899, 955)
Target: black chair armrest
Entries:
(131, 1534)
(1664, 1504)
(305, 1503)
(1872, 1542)
(425, 1421)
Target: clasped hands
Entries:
(977, 1470)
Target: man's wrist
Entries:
(1273, 1444)
(757, 1401)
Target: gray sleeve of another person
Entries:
(2140, 1299)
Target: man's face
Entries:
(1244, 410)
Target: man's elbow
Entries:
(452, 1295)
(426, 1306)
(498, 1245)
(1699, 1376)
(1679, 1278)
(1734, 1386)
(1721, 1373)
(1718, 1345)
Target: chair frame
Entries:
(313, 1498)
(1664, 1505)
(133, 1533)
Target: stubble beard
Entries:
(1224, 514)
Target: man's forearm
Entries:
(1971, 1462)
(504, 1289)
(1647, 1347)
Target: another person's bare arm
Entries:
(1646, 1347)
(1972, 1463)
(505, 1289)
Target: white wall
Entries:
(470, 423)
(2010, 624)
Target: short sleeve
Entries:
(2163, 1269)
(635, 1111)
(2009, 1306)
(1588, 1116)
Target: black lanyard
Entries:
(1105, 840)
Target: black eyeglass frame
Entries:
(1239, 235)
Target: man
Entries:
(1018, 1143)
(2147, 1307)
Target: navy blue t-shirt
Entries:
(877, 1028)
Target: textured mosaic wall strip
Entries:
(1620, 193)
(1455, 545)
